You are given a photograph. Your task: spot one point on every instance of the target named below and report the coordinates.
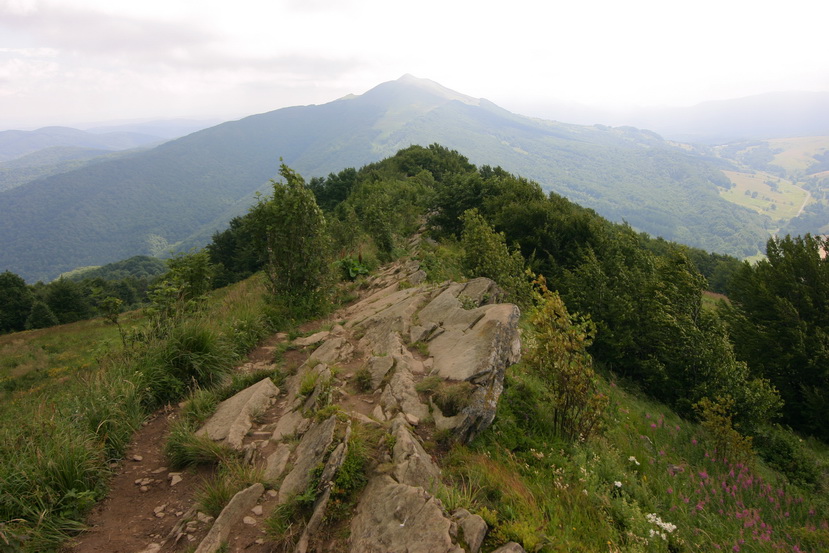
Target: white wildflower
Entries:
(617, 484)
(632, 459)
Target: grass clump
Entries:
(287, 521)
(429, 384)
(453, 398)
(233, 476)
(308, 383)
(184, 448)
(363, 380)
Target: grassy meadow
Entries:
(795, 155)
(652, 481)
(765, 193)
(41, 357)
(61, 429)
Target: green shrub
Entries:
(784, 452)
(292, 229)
(716, 417)
(486, 255)
(351, 268)
(558, 356)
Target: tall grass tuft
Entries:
(192, 355)
(184, 448)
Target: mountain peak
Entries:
(414, 90)
(437, 89)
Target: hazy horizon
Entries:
(81, 62)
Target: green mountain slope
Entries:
(51, 161)
(179, 193)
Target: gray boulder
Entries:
(393, 517)
(232, 419)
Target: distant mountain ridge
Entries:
(15, 144)
(177, 194)
(759, 117)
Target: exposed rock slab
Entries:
(276, 463)
(233, 512)
(332, 350)
(312, 339)
(400, 394)
(232, 419)
(394, 517)
(309, 453)
(412, 465)
(290, 424)
(379, 366)
(480, 341)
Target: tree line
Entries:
(75, 298)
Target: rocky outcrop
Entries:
(466, 335)
(402, 333)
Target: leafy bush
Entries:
(351, 268)
(486, 255)
(785, 452)
(293, 230)
(558, 355)
(716, 417)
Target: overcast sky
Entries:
(79, 61)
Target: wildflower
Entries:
(632, 459)
(617, 484)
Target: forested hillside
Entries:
(637, 420)
(176, 195)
